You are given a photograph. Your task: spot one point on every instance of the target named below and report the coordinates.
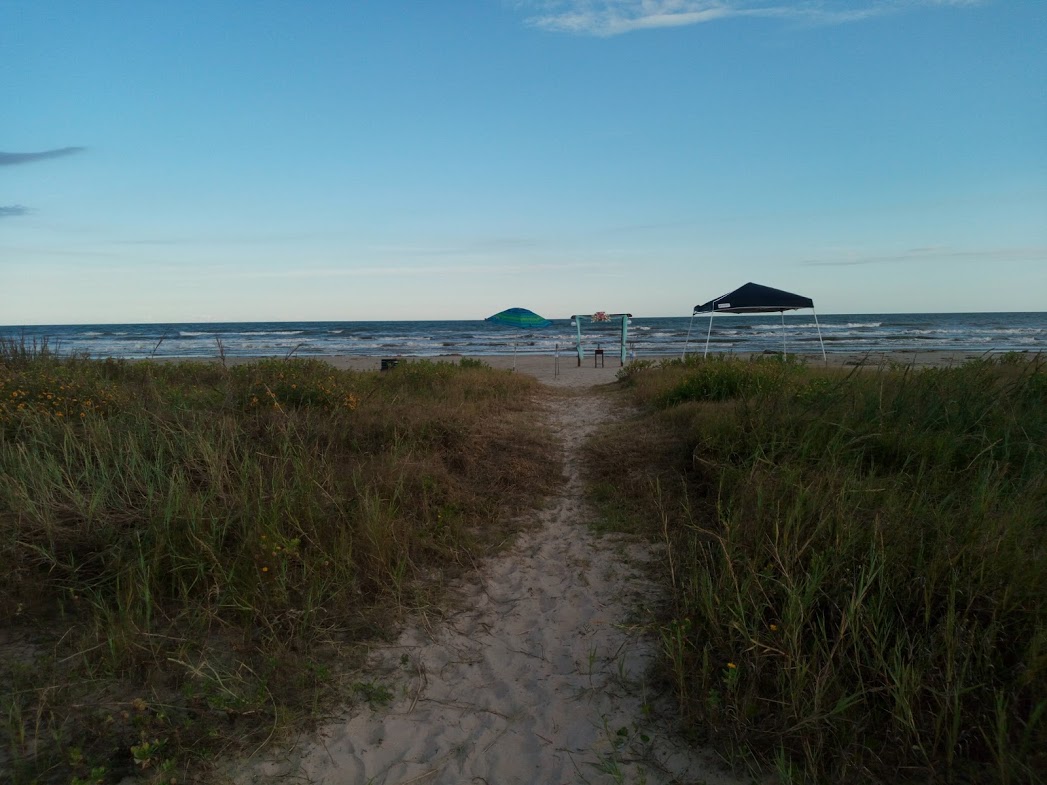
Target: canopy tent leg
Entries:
(784, 353)
(685, 343)
(708, 335)
(820, 341)
(514, 355)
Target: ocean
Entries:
(971, 332)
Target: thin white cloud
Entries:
(481, 246)
(935, 254)
(413, 271)
(615, 17)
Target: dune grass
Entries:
(856, 562)
(193, 553)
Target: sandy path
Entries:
(536, 678)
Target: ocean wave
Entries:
(995, 332)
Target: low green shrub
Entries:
(294, 383)
(856, 564)
(634, 368)
(723, 379)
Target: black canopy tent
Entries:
(754, 298)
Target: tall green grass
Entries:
(857, 562)
(191, 550)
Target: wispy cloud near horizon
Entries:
(935, 254)
(11, 159)
(401, 271)
(606, 18)
(13, 210)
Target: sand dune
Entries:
(539, 674)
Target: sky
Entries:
(354, 160)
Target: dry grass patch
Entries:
(195, 552)
(856, 562)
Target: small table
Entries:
(598, 358)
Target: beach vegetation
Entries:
(195, 553)
(855, 561)
(22, 351)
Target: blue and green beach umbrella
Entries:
(518, 317)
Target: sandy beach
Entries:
(568, 372)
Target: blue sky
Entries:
(409, 160)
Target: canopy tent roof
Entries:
(755, 298)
